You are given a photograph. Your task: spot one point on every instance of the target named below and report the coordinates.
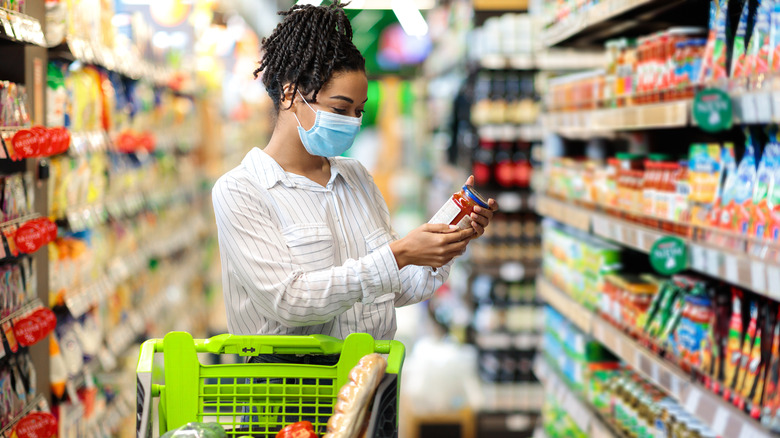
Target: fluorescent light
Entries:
(309, 2)
(410, 18)
(388, 4)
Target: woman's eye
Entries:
(339, 111)
(360, 112)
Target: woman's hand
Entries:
(481, 217)
(431, 245)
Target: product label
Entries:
(447, 213)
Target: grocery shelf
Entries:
(604, 121)
(505, 396)
(549, 60)
(22, 28)
(36, 403)
(583, 414)
(723, 418)
(26, 307)
(505, 341)
(123, 62)
(607, 19)
(737, 266)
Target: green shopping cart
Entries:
(258, 399)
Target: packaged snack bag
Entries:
(733, 354)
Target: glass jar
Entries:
(457, 210)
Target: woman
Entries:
(304, 235)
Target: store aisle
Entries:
(626, 287)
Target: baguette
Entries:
(351, 410)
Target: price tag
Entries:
(732, 269)
(776, 105)
(720, 420)
(7, 28)
(758, 276)
(747, 110)
(617, 233)
(713, 262)
(698, 260)
(692, 402)
(749, 431)
(640, 240)
(773, 278)
(763, 102)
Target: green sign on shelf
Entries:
(712, 110)
(669, 255)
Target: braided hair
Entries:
(310, 45)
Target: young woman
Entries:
(304, 235)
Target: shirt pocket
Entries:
(379, 317)
(377, 239)
(311, 246)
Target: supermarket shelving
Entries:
(583, 414)
(603, 121)
(723, 418)
(22, 28)
(606, 19)
(125, 63)
(747, 263)
(549, 60)
(759, 106)
(34, 404)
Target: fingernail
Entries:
(453, 227)
(477, 209)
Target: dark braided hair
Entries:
(310, 45)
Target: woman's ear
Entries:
(287, 94)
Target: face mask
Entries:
(331, 135)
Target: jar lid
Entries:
(473, 194)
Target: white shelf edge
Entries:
(740, 269)
(697, 401)
(585, 123)
(580, 411)
(605, 10)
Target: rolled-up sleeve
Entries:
(261, 262)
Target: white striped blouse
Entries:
(299, 258)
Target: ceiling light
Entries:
(388, 4)
(410, 18)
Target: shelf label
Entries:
(713, 263)
(720, 421)
(773, 278)
(698, 260)
(713, 110)
(758, 276)
(669, 255)
(7, 28)
(692, 402)
(763, 107)
(732, 269)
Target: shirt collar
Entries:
(269, 172)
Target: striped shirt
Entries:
(299, 258)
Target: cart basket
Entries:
(259, 399)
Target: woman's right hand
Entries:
(431, 245)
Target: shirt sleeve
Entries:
(260, 260)
(418, 283)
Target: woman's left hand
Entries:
(481, 217)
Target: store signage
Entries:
(713, 110)
(36, 425)
(669, 255)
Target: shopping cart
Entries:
(257, 400)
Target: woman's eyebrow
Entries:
(345, 98)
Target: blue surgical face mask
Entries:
(331, 135)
